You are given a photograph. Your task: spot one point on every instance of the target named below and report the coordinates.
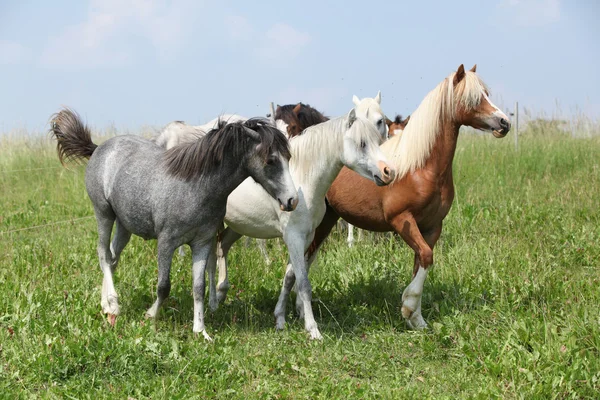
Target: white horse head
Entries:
(370, 108)
(361, 150)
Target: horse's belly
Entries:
(251, 212)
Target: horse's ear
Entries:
(297, 109)
(355, 100)
(474, 69)
(459, 75)
(388, 122)
(351, 117)
(378, 97)
(254, 135)
(405, 122)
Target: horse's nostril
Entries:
(386, 171)
(504, 123)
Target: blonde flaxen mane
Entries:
(409, 151)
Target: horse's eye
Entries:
(270, 161)
(379, 122)
(363, 144)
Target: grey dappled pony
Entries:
(176, 196)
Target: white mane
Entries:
(178, 132)
(318, 143)
(409, 151)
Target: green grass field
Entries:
(512, 303)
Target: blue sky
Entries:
(148, 62)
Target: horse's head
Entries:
(396, 126)
(298, 117)
(268, 164)
(361, 150)
(473, 106)
(370, 109)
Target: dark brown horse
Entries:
(415, 205)
(299, 117)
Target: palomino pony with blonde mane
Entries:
(415, 205)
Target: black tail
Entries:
(73, 136)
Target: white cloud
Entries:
(531, 13)
(13, 52)
(103, 38)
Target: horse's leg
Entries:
(262, 246)
(323, 230)
(407, 227)
(200, 255)
(109, 298)
(120, 240)
(296, 244)
(228, 238)
(350, 239)
(163, 287)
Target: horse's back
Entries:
(120, 174)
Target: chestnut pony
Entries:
(415, 205)
(398, 124)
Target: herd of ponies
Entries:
(291, 177)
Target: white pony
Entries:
(317, 157)
(178, 132)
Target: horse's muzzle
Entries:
(290, 205)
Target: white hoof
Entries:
(110, 305)
(315, 334)
(204, 334)
(414, 319)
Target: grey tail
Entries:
(73, 136)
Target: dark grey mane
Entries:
(203, 156)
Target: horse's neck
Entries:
(442, 154)
(230, 175)
(324, 165)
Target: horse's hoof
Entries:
(112, 319)
(279, 323)
(413, 319)
(204, 334)
(315, 335)
(213, 305)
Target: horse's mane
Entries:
(204, 155)
(308, 116)
(320, 142)
(409, 151)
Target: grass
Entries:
(512, 301)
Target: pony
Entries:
(318, 155)
(299, 117)
(416, 203)
(395, 127)
(176, 196)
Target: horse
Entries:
(318, 155)
(176, 196)
(416, 203)
(290, 119)
(178, 132)
(299, 117)
(395, 127)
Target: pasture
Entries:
(512, 301)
